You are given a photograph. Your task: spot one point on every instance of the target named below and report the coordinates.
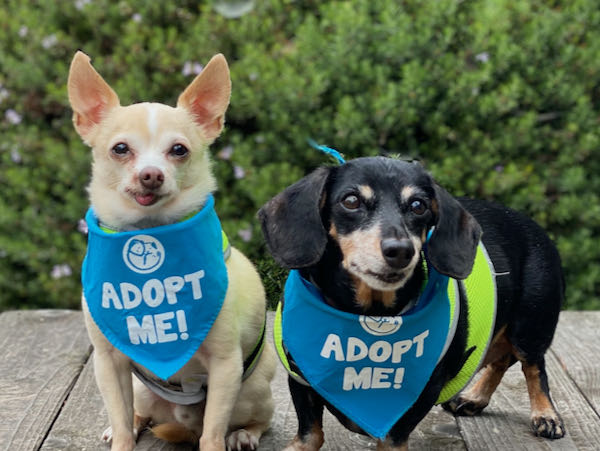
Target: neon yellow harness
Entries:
(480, 288)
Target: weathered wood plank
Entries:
(84, 418)
(42, 354)
(576, 346)
(505, 423)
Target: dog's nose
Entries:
(397, 253)
(151, 177)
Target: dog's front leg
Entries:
(309, 410)
(113, 375)
(224, 382)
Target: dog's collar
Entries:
(226, 246)
(110, 229)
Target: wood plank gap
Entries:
(64, 402)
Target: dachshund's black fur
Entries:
(356, 232)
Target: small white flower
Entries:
(137, 17)
(23, 31)
(49, 41)
(238, 172)
(187, 69)
(79, 4)
(15, 156)
(12, 116)
(225, 153)
(482, 57)
(3, 94)
(245, 234)
(253, 76)
(259, 139)
(59, 271)
(82, 226)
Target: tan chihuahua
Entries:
(151, 167)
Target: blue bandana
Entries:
(155, 293)
(372, 369)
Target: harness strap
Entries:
(176, 393)
(282, 352)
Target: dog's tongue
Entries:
(145, 199)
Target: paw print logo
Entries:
(380, 325)
(143, 254)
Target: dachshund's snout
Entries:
(398, 253)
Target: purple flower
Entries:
(197, 68)
(239, 172)
(245, 234)
(499, 168)
(137, 17)
(60, 271)
(225, 153)
(191, 68)
(82, 226)
(12, 117)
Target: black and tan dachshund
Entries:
(357, 232)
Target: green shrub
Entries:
(499, 99)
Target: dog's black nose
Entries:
(397, 253)
(151, 177)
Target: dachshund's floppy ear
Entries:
(291, 222)
(453, 243)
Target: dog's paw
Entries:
(107, 435)
(464, 407)
(550, 427)
(242, 440)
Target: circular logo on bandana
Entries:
(380, 325)
(143, 254)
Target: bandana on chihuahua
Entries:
(155, 293)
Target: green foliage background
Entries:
(499, 99)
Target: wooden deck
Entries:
(49, 400)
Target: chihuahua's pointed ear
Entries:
(207, 96)
(452, 246)
(291, 222)
(90, 96)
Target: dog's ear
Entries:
(90, 96)
(291, 222)
(207, 96)
(452, 246)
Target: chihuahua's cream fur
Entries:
(151, 167)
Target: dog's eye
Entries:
(418, 207)
(179, 150)
(351, 202)
(120, 149)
